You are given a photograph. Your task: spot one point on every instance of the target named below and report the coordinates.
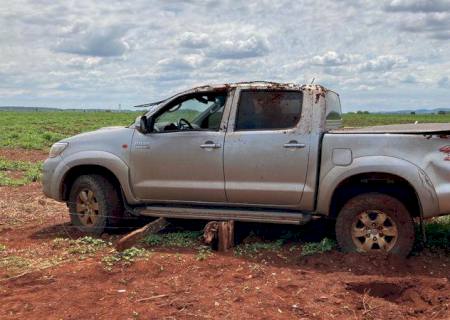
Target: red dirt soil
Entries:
(173, 284)
(23, 155)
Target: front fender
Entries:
(416, 177)
(101, 158)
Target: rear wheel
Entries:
(374, 222)
(94, 204)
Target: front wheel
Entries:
(374, 222)
(94, 204)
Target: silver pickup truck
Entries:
(257, 151)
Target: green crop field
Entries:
(38, 130)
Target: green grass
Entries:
(318, 247)
(39, 130)
(203, 253)
(252, 249)
(15, 264)
(18, 173)
(85, 246)
(182, 239)
(438, 234)
(18, 262)
(126, 257)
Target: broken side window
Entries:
(268, 109)
(201, 111)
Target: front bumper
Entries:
(51, 178)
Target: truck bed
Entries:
(409, 128)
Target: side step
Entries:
(202, 213)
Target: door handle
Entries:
(141, 145)
(210, 145)
(294, 144)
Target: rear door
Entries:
(266, 148)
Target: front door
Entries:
(266, 148)
(183, 159)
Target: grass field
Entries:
(39, 130)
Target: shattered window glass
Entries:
(264, 109)
(201, 111)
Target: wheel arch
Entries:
(379, 182)
(388, 175)
(86, 169)
(106, 164)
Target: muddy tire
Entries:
(375, 222)
(94, 204)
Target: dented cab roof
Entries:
(264, 84)
(312, 88)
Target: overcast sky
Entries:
(378, 55)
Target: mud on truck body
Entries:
(261, 152)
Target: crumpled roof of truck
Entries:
(268, 84)
(313, 88)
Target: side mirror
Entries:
(146, 124)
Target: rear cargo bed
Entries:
(410, 128)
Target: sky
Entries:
(378, 55)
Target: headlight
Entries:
(57, 149)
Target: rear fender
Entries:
(416, 177)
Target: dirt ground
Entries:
(40, 280)
(23, 154)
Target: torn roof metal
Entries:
(151, 104)
(316, 88)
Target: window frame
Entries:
(184, 97)
(236, 117)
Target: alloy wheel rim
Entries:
(374, 230)
(87, 207)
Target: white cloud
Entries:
(247, 46)
(418, 5)
(434, 22)
(102, 53)
(94, 41)
(428, 17)
(410, 79)
(331, 58)
(180, 63)
(383, 63)
(364, 87)
(194, 40)
(444, 82)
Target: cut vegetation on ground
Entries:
(18, 173)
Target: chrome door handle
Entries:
(210, 146)
(294, 144)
